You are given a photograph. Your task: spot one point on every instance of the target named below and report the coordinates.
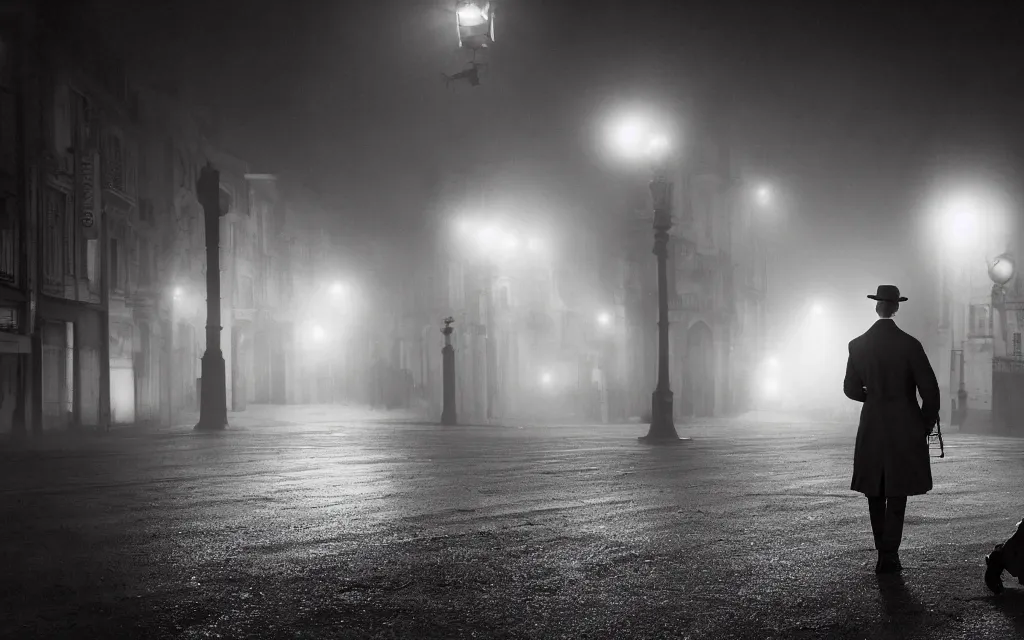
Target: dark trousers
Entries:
(887, 515)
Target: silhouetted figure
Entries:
(1007, 556)
(886, 369)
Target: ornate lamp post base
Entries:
(663, 428)
(213, 414)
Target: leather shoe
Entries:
(888, 562)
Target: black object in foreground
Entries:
(1007, 556)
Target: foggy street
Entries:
(343, 527)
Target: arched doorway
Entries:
(700, 370)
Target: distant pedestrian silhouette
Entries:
(886, 369)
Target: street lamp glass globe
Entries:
(545, 378)
(604, 318)
(471, 15)
(178, 293)
(764, 195)
(337, 289)
(318, 333)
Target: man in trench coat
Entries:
(885, 371)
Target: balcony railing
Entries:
(1008, 364)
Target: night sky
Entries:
(850, 109)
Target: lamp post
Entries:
(448, 375)
(213, 412)
(635, 138)
(663, 427)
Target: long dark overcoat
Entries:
(885, 371)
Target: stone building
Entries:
(17, 219)
(102, 248)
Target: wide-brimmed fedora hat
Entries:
(888, 293)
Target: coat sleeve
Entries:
(853, 386)
(927, 385)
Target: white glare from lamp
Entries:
(337, 289)
(773, 362)
(486, 237)
(658, 146)
(471, 15)
(546, 378)
(817, 309)
(604, 319)
(178, 293)
(318, 333)
(510, 241)
(628, 135)
(764, 195)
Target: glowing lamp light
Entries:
(337, 289)
(817, 309)
(471, 15)
(772, 362)
(634, 137)
(657, 146)
(1002, 270)
(604, 318)
(178, 293)
(546, 378)
(763, 195)
(318, 333)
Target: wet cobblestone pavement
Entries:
(335, 526)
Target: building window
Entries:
(69, 243)
(115, 265)
(145, 263)
(92, 264)
(10, 319)
(8, 240)
(114, 162)
(980, 325)
(55, 211)
(8, 115)
(1016, 345)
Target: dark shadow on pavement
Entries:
(900, 602)
(1011, 604)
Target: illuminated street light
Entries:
(634, 137)
(178, 293)
(1002, 269)
(337, 289)
(763, 195)
(604, 318)
(471, 15)
(773, 362)
(817, 309)
(546, 378)
(318, 333)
